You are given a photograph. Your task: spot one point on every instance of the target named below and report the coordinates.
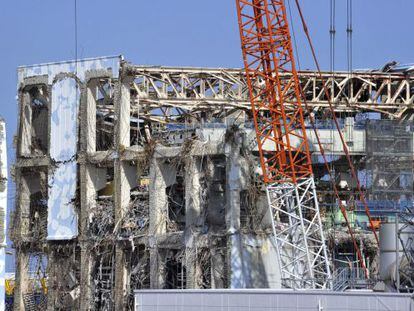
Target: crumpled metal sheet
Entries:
(62, 220)
(64, 120)
(80, 67)
(64, 127)
(253, 262)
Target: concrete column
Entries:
(155, 273)
(21, 278)
(157, 267)
(235, 179)
(88, 192)
(25, 124)
(88, 196)
(158, 201)
(24, 208)
(121, 199)
(123, 112)
(217, 268)
(86, 266)
(122, 186)
(121, 289)
(51, 281)
(233, 187)
(89, 122)
(158, 212)
(193, 211)
(191, 266)
(192, 193)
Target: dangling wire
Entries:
(76, 35)
(77, 86)
(294, 36)
(332, 33)
(344, 145)
(349, 34)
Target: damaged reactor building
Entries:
(137, 177)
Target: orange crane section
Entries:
(283, 146)
(267, 53)
(280, 128)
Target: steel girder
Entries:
(195, 89)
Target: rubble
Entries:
(165, 188)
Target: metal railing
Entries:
(347, 278)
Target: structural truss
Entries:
(267, 53)
(190, 90)
(298, 230)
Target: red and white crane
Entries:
(283, 146)
(287, 168)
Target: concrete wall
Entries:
(254, 262)
(66, 81)
(267, 300)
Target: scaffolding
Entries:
(389, 148)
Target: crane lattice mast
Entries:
(283, 146)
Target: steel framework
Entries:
(189, 90)
(405, 272)
(298, 230)
(267, 52)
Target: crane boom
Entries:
(282, 143)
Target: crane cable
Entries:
(331, 172)
(76, 35)
(332, 34)
(349, 34)
(329, 168)
(330, 105)
(322, 150)
(349, 44)
(295, 44)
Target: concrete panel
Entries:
(81, 67)
(64, 79)
(254, 262)
(270, 300)
(62, 219)
(64, 120)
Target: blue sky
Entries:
(182, 33)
